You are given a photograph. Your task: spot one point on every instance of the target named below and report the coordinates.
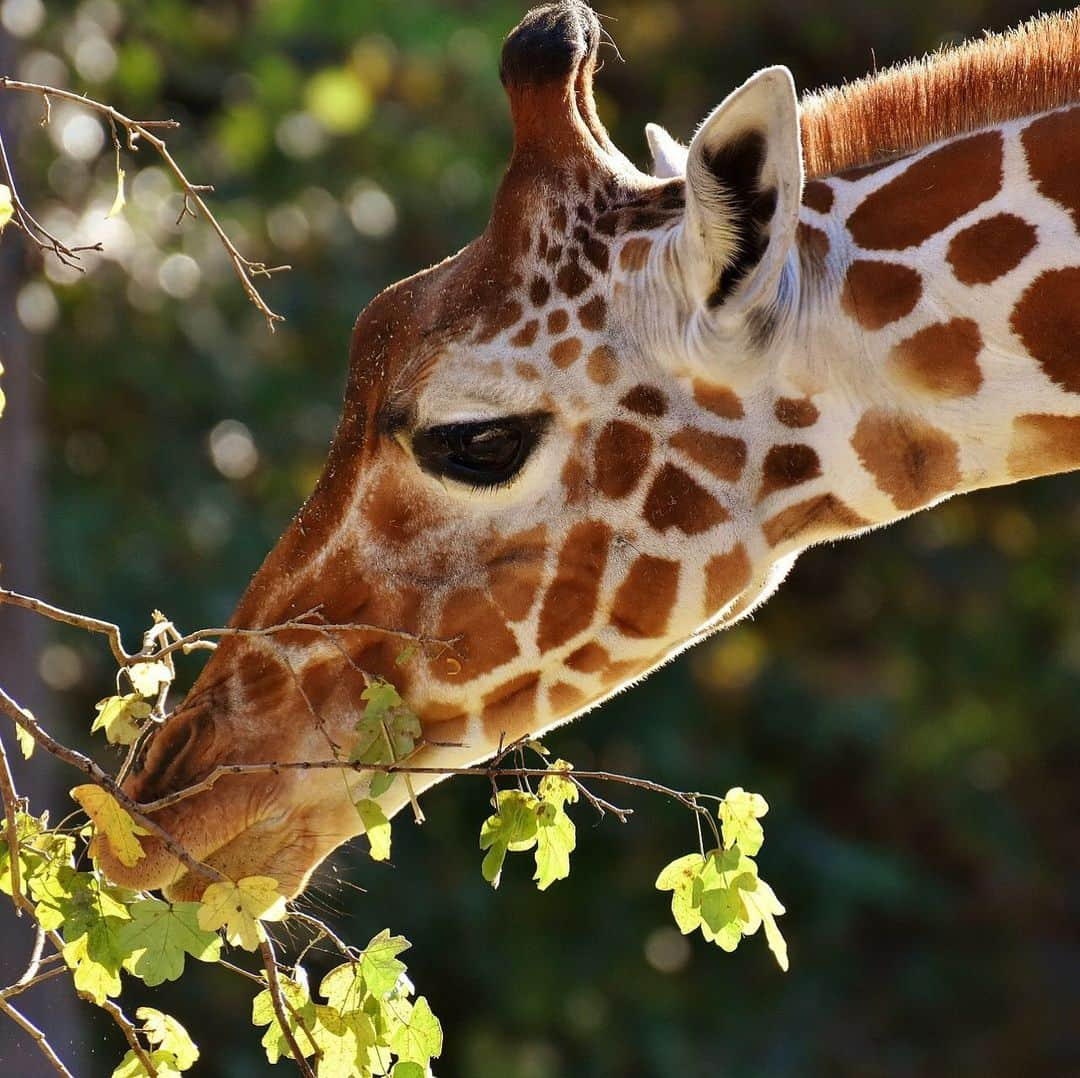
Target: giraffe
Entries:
(608, 426)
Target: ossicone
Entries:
(547, 67)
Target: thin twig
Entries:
(7, 790)
(38, 1037)
(245, 268)
(274, 987)
(21, 986)
(79, 621)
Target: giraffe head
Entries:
(540, 473)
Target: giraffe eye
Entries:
(482, 454)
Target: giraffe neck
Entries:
(937, 320)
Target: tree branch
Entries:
(273, 985)
(244, 268)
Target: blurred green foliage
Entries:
(908, 703)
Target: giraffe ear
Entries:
(669, 156)
(744, 176)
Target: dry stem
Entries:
(245, 268)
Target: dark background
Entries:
(908, 703)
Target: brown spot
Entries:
(564, 698)
(990, 248)
(511, 707)
(941, 359)
(607, 223)
(910, 460)
(719, 400)
(482, 640)
(526, 335)
(575, 479)
(725, 576)
(621, 457)
(395, 512)
(787, 466)
(596, 251)
(1044, 444)
(930, 194)
(590, 658)
(645, 400)
(811, 520)
(851, 175)
(527, 371)
(675, 500)
(558, 219)
(645, 598)
(813, 245)
(818, 196)
(602, 366)
(557, 321)
(721, 454)
(877, 293)
(542, 244)
(539, 291)
(1047, 319)
(565, 352)
(593, 314)
(635, 253)
(1052, 145)
(572, 280)
(554, 253)
(571, 598)
(796, 412)
(503, 317)
(581, 174)
(515, 568)
(526, 241)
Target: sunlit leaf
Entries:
(301, 1011)
(420, 1038)
(120, 201)
(160, 934)
(376, 827)
(120, 717)
(112, 824)
(739, 814)
(7, 209)
(239, 907)
(166, 1033)
(131, 1066)
(147, 678)
(23, 737)
(513, 827)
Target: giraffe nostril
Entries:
(171, 760)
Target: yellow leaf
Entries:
(112, 824)
(149, 677)
(7, 210)
(120, 201)
(239, 907)
(26, 742)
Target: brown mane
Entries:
(1028, 70)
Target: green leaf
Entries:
(420, 1038)
(302, 1011)
(513, 827)
(682, 877)
(763, 901)
(7, 208)
(376, 827)
(387, 731)
(556, 838)
(344, 1040)
(381, 781)
(167, 1034)
(557, 789)
(739, 814)
(120, 718)
(131, 1066)
(96, 956)
(160, 934)
(407, 1070)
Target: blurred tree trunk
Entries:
(53, 1006)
